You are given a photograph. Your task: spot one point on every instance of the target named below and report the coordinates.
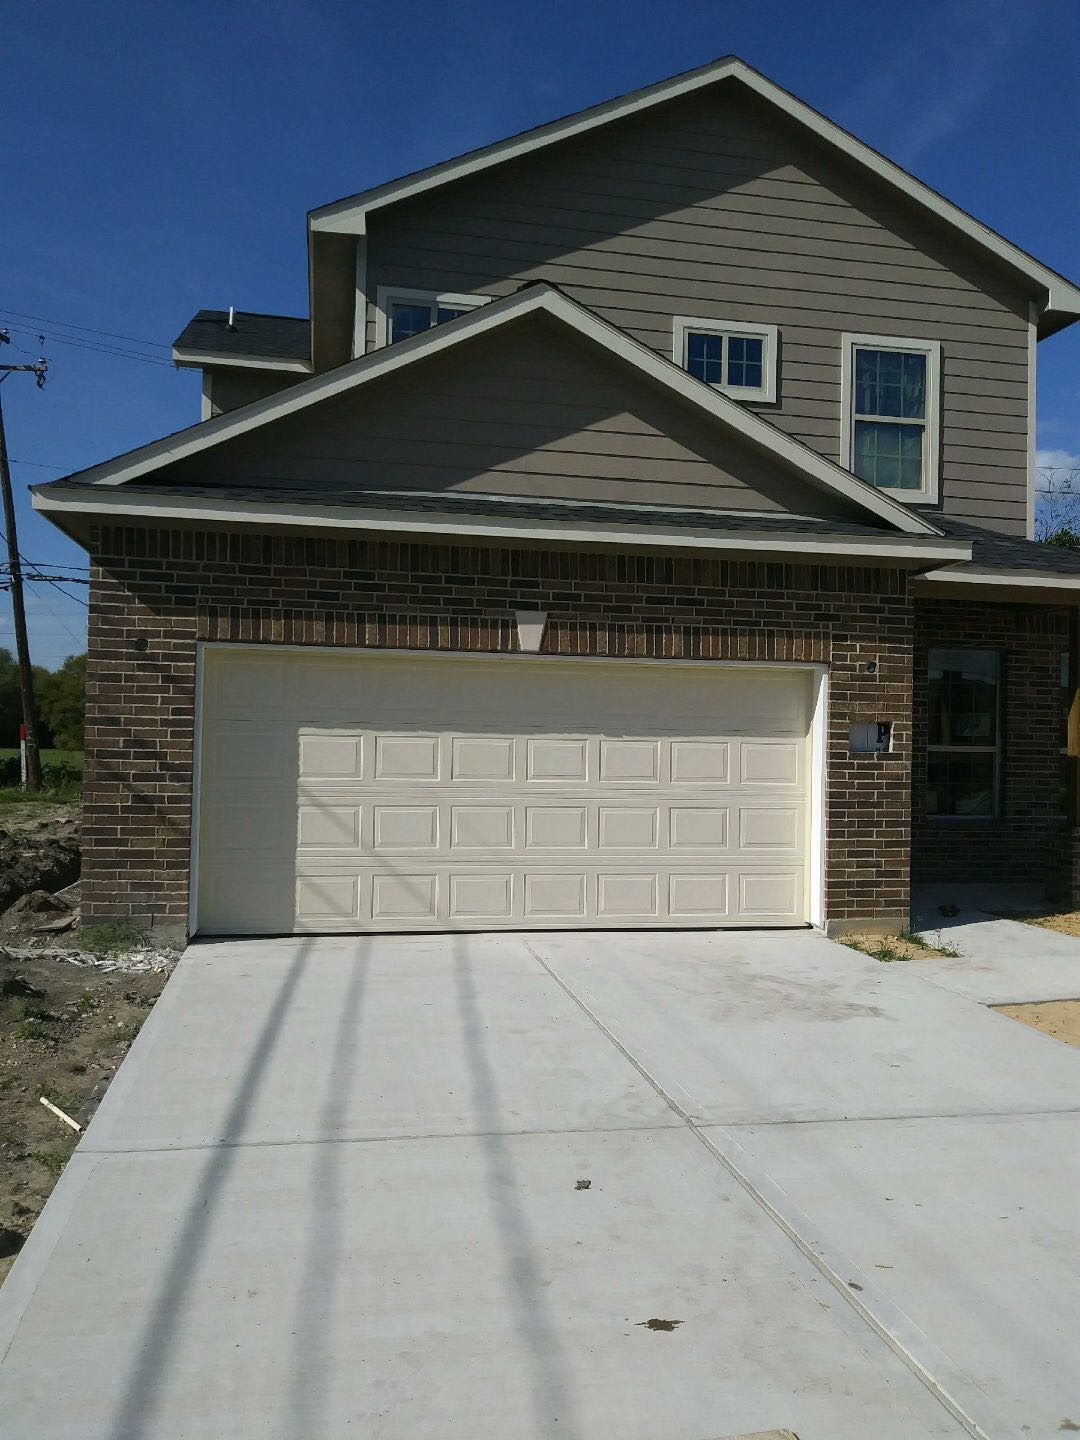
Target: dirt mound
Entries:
(37, 855)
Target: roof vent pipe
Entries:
(232, 317)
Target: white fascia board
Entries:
(349, 215)
(248, 362)
(1010, 579)
(495, 528)
(808, 463)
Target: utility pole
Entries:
(26, 674)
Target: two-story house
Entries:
(638, 533)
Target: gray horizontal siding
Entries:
(229, 389)
(530, 410)
(703, 209)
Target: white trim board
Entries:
(203, 358)
(536, 299)
(349, 215)
(974, 574)
(849, 343)
(932, 549)
(685, 325)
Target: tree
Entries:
(10, 700)
(1058, 488)
(62, 702)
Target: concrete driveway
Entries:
(637, 1185)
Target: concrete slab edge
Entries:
(25, 1274)
(955, 1390)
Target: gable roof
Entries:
(532, 299)
(349, 215)
(269, 342)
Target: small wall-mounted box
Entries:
(870, 737)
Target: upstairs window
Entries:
(963, 735)
(890, 414)
(733, 357)
(402, 313)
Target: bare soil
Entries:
(1059, 1018)
(64, 1029)
(1065, 922)
(890, 947)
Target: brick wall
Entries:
(154, 594)
(1019, 845)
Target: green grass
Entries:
(113, 938)
(31, 1030)
(61, 778)
(51, 1159)
(73, 758)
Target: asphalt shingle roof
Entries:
(459, 503)
(270, 337)
(1008, 552)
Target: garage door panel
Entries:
(769, 894)
(626, 897)
(331, 757)
(331, 805)
(697, 762)
(482, 758)
(481, 827)
(328, 827)
(405, 828)
(481, 897)
(773, 763)
(629, 762)
(698, 827)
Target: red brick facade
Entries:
(155, 594)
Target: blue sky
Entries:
(159, 157)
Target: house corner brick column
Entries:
(1064, 881)
(173, 588)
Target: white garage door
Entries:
(346, 792)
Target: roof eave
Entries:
(65, 507)
(200, 359)
(1026, 585)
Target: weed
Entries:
(85, 1003)
(31, 1030)
(31, 1010)
(113, 938)
(887, 953)
(51, 1159)
(912, 937)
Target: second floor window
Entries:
(737, 358)
(402, 313)
(890, 390)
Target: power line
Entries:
(86, 329)
(95, 348)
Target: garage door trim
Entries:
(815, 874)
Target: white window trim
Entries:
(684, 325)
(387, 295)
(931, 490)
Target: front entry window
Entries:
(963, 736)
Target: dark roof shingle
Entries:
(1009, 552)
(269, 337)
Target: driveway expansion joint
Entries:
(887, 1321)
(300, 1140)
